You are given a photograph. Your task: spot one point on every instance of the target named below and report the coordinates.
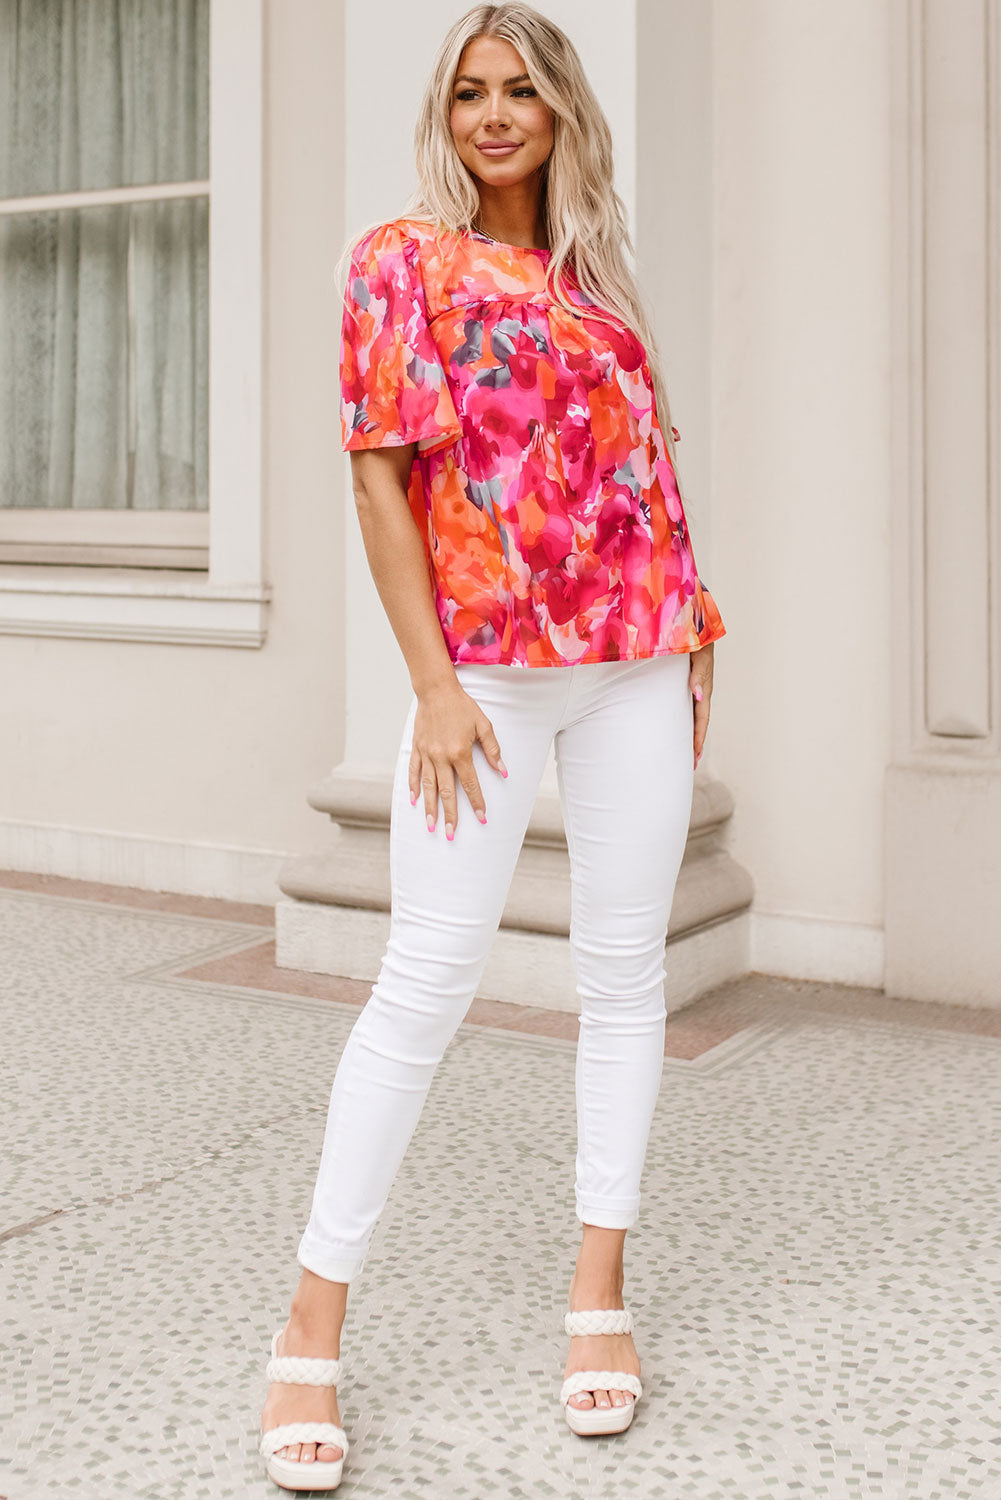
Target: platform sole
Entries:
(593, 1421)
(299, 1476)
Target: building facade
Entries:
(190, 697)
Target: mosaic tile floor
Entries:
(816, 1275)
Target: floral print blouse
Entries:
(541, 480)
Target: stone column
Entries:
(334, 917)
(943, 789)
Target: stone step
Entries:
(334, 917)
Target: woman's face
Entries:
(495, 105)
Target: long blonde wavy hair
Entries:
(585, 217)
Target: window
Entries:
(130, 473)
(104, 263)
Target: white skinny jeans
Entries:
(623, 748)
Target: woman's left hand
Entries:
(700, 680)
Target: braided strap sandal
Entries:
(599, 1419)
(290, 1369)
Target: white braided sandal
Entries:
(599, 1419)
(294, 1474)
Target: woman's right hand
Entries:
(447, 723)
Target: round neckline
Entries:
(505, 245)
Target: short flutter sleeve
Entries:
(393, 386)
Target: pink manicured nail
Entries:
(413, 800)
(502, 768)
(449, 832)
(481, 815)
(698, 693)
(430, 823)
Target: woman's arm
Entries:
(448, 720)
(398, 562)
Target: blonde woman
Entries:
(513, 469)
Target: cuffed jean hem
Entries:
(606, 1216)
(332, 1267)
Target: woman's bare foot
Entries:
(597, 1282)
(313, 1331)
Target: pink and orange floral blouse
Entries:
(541, 481)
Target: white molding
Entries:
(956, 337)
(148, 864)
(147, 192)
(946, 677)
(907, 391)
(236, 293)
(229, 607)
(124, 604)
(143, 528)
(111, 538)
(809, 947)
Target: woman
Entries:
(499, 388)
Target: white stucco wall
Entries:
(800, 472)
(766, 258)
(198, 746)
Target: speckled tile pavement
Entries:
(816, 1275)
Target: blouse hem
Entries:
(591, 656)
(435, 438)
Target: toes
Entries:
(583, 1400)
(324, 1453)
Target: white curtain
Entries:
(104, 311)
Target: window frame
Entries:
(226, 604)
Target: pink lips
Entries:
(498, 148)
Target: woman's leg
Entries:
(447, 901)
(624, 762)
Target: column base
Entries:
(333, 917)
(524, 968)
(943, 882)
